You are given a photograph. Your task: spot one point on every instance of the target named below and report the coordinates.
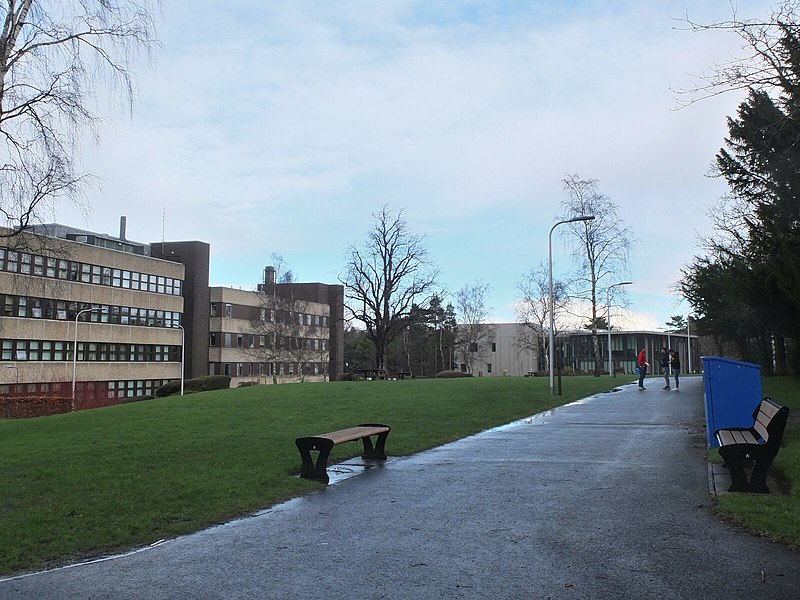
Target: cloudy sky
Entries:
(280, 127)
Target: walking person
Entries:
(642, 364)
(676, 367)
(665, 360)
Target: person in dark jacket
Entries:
(675, 363)
(665, 360)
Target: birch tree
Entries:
(473, 334)
(54, 59)
(600, 249)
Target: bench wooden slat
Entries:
(761, 428)
(351, 434)
(769, 409)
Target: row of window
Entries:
(110, 389)
(247, 341)
(45, 350)
(13, 261)
(254, 369)
(268, 315)
(41, 308)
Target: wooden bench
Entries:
(325, 442)
(758, 445)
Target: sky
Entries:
(281, 127)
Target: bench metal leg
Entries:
(377, 451)
(310, 470)
(758, 478)
(736, 464)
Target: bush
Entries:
(169, 388)
(346, 377)
(198, 384)
(26, 407)
(446, 374)
(247, 383)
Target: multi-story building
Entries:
(281, 332)
(136, 312)
(89, 313)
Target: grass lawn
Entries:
(87, 483)
(774, 516)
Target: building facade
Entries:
(89, 312)
(504, 353)
(253, 340)
(513, 351)
(103, 319)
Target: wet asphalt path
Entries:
(606, 498)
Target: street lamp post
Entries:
(608, 323)
(688, 345)
(550, 273)
(75, 350)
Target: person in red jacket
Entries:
(642, 363)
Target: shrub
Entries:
(27, 407)
(198, 384)
(446, 374)
(211, 382)
(247, 383)
(346, 377)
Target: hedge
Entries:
(198, 384)
(26, 407)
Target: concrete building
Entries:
(60, 286)
(254, 337)
(503, 354)
(509, 353)
(137, 310)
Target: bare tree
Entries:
(763, 67)
(285, 328)
(533, 311)
(52, 57)
(600, 247)
(473, 335)
(388, 281)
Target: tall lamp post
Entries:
(688, 346)
(75, 349)
(550, 273)
(608, 323)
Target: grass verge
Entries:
(93, 482)
(774, 516)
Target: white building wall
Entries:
(505, 358)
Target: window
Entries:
(494, 347)
(26, 264)
(229, 310)
(213, 310)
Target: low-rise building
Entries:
(513, 349)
